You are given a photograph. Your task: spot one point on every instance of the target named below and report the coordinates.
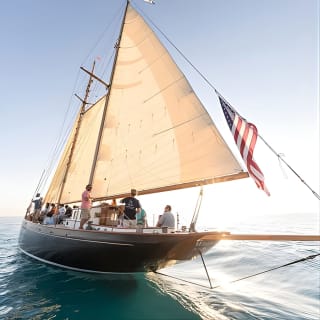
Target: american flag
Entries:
(245, 135)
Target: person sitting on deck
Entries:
(61, 213)
(68, 213)
(167, 218)
(52, 210)
(51, 215)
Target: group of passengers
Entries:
(132, 215)
(48, 213)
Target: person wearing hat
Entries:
(86, 204)
(132, 206)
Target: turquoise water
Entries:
(32, 290)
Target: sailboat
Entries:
(149, 132)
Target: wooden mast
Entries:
(107, 99)
(81, 113)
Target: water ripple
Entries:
(30, 289)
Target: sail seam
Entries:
(163, 89)
(180, 124)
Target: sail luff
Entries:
(107, 100)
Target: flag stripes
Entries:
(245, 136)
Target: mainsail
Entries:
(156, 135)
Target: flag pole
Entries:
(280, 157)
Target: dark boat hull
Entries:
(96, 251)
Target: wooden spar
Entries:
(235, 176)
(261, 237)
(95, 77)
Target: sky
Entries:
(262, 56)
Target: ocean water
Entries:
(32, 290)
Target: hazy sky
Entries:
(263, 56)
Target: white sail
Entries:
(157, 135)
(54, 191)
(79, 168)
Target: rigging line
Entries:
(243, 278)
(65, 131)
(281, 167)
(207, 81)
(39, 184)
(205, 268)
(276, 153)
(55, 155)
(180, 52)
(118, 13)
(61, 141)
(194, 219)
(35, 192)
(275, 268)
(62, 137)
(280, 158)
(95, 88)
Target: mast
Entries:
(81, 113)
(107, 98)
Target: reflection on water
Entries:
(30, 289)
(291, 292)
(189, 296)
